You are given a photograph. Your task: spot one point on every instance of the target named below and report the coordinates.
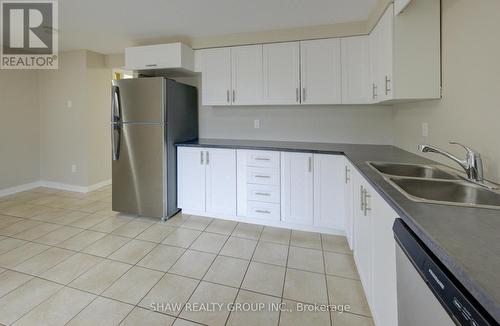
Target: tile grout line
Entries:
(246, 271)
(326, 280)
(284, 278)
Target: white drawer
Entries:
(263, 176)
(264, 159)
(268, 211)
(265, 193)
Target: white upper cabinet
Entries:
(161, 56)
(329, 178)
(385, 48)
(216, 76)
(281, 80)
(356, 80)
(297, 188)
(221, 181)
(246, 73)
(320, 71)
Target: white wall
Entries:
(469, 111)
(337, 124)
(19, 128)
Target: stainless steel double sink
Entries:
(436, 184)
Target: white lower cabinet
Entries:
(207, 180)
(348, 202)
(297, 188)
(329, 192)
(375, 250)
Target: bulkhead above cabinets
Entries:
(400, 60)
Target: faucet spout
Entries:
(472, 165)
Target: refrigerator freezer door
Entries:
(139, 100)
(139, 171)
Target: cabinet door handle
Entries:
(387, 89)
(310, 164)
(297, 95)
(227, 96)
(262, 176)
(201, 157)
(303, 94)
(366, 208)
(262, 194)
(262, 211)
(262, 159)
(151, 65)
(208, 157)
(347, 172)
(361, 198)
(374, 91)
(234, 95)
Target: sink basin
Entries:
(460, 193)
(412, 170)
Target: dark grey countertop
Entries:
(466, 240)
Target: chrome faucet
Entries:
(473, 164)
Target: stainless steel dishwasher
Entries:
(428, 294)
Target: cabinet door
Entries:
(297, 188)
(216, 76)
(375, 86)
(320, 71)
(363, 235)
(329, 179)
(221, 181)
(281, 73)
(348, 202)
(246, 72)
(191, 178)
(384, 302)
(356, 80)
(385, 42)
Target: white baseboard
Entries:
(279, 224)
(53, 185)
(20, 188)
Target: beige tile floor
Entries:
(67, 258)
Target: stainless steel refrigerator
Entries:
(149, 115)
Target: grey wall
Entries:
(19, 128)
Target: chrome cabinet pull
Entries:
(387, 89)
(201, 157)
(208, 157)
(262, 194)
(227, 96)
(151, 65)
(262, 176)
(262, 211)
(297, 94)
(365, 207)
(262, 159)
(347, 172)
(234, 95)
(361, 198)
(303, 94)
(374, 91)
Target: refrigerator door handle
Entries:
(116, 140)
(116, 107)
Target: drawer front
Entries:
(264, 193)
(263, 176)
(265, 159)
(268, 211)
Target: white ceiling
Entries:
(108, 26)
